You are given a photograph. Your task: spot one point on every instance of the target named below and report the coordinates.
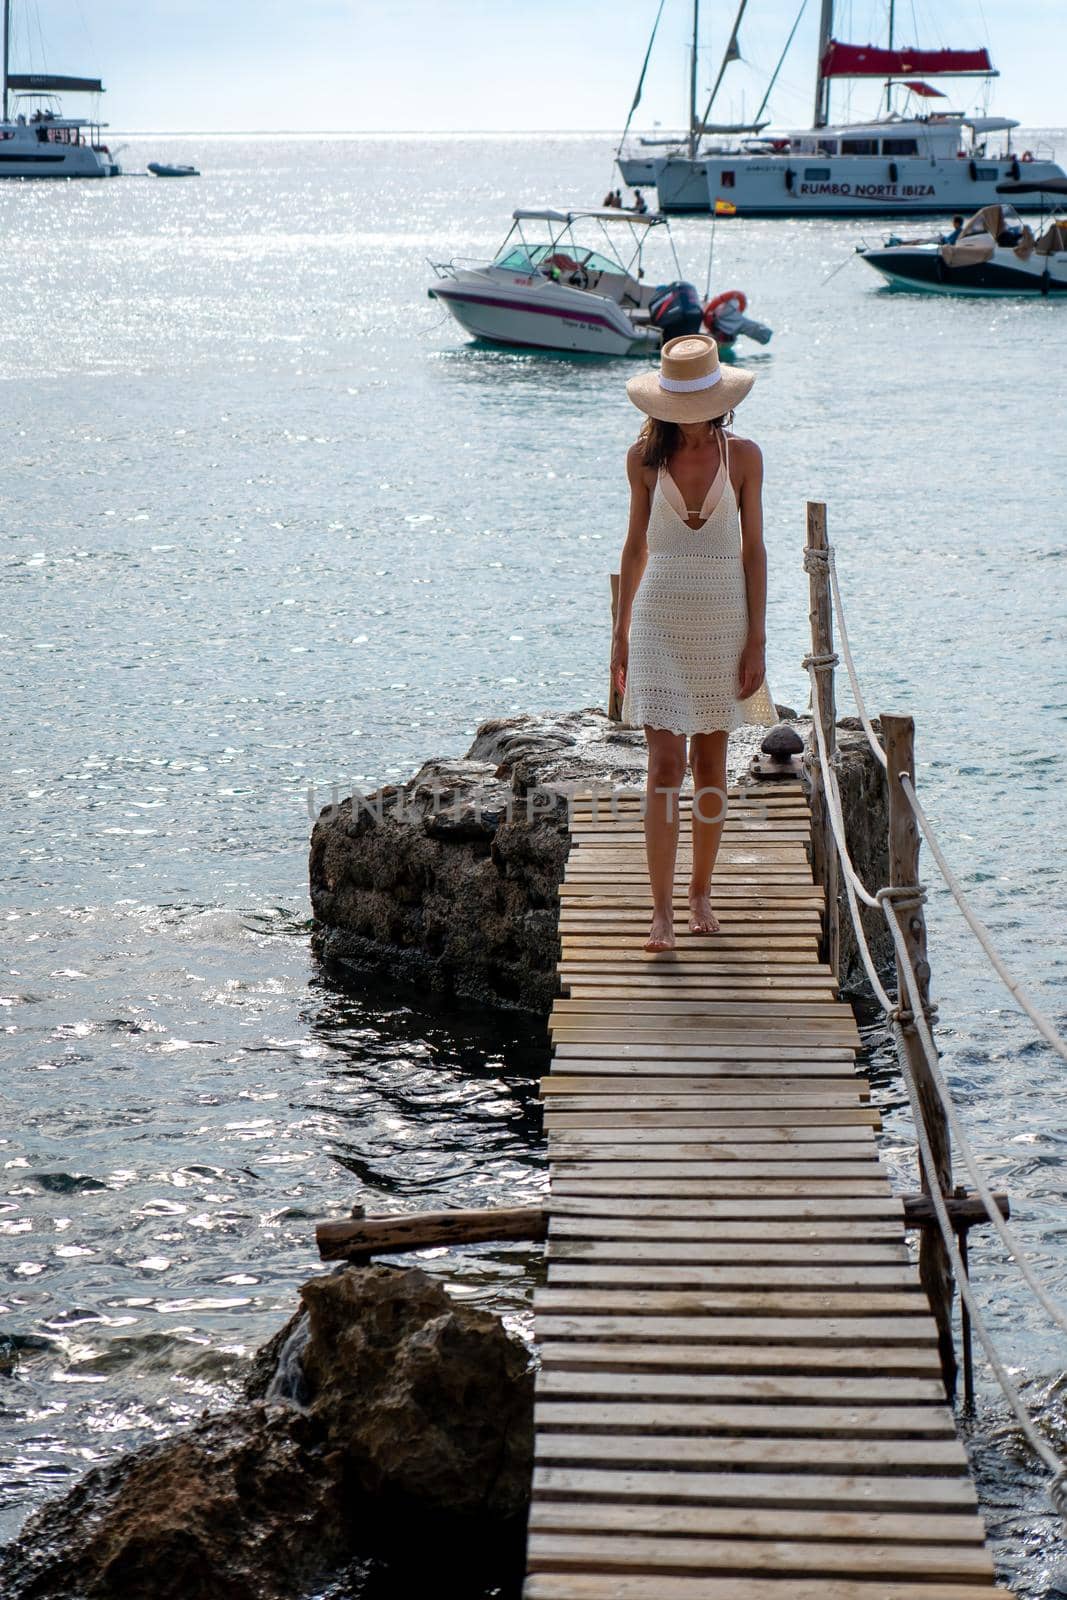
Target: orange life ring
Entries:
(1028, 155)
(720, 300)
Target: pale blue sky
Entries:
(522, 64)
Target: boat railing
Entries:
(447, 269)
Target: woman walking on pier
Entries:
(688, 652)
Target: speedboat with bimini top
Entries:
(548, 289)
(994, 253)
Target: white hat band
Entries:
(690, 385)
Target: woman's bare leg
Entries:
(666, 769)
(707, 757)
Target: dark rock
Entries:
(428, 1400)
(417, 1411)
(782, 742)
(243, 1506)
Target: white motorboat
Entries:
(917, 163)
(38, 141)
(994, 253)
(548, 289)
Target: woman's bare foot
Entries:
(661, 935)
(702, 918)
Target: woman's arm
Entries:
(632, 565)
(752, 668)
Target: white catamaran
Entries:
(38, 141)
(912, 164)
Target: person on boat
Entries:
(640, 205)
(609, 201)
(688, 648)
(957, 229)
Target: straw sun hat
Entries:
(690, 385)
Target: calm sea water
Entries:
(271, 523)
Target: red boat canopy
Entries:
(927, 90)
(870, 61)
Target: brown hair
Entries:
(659, 440)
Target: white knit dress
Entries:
(690, 618)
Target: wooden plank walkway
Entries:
(740, 1394)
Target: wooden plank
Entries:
(593, 1516)
(628, 1586)
(691, 1328)
(763, 1279)
(915, 1361)
(787, 1558)
(760, 1117)
(631, 1084)
(819, 1455)
(752, 1219)
(596, 1161)
(627, 994)
(834, 1309)
(781, 1085)
(767, 1143)
(737, 1421)
(713, 1253)
(773, 1162)
(703, 1178)
(671, 1007)
(871, 1389)
(874, 1495)
(656, 1226)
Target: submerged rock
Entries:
(414, 1407)
(451, 880)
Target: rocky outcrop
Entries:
(414, 1407)
(451, 880)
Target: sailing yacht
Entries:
(920, 163)
(38, 141)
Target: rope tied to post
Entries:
(823, 662)
(816, 562)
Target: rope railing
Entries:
(911, 1015)
(1045, 1027)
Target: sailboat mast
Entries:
(822, 86)
(7, 37)
(889, 81)
(693, 140)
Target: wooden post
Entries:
(824, 861)
(614, 697)
(935, 1268)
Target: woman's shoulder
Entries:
(636, 469)
(746, 453)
